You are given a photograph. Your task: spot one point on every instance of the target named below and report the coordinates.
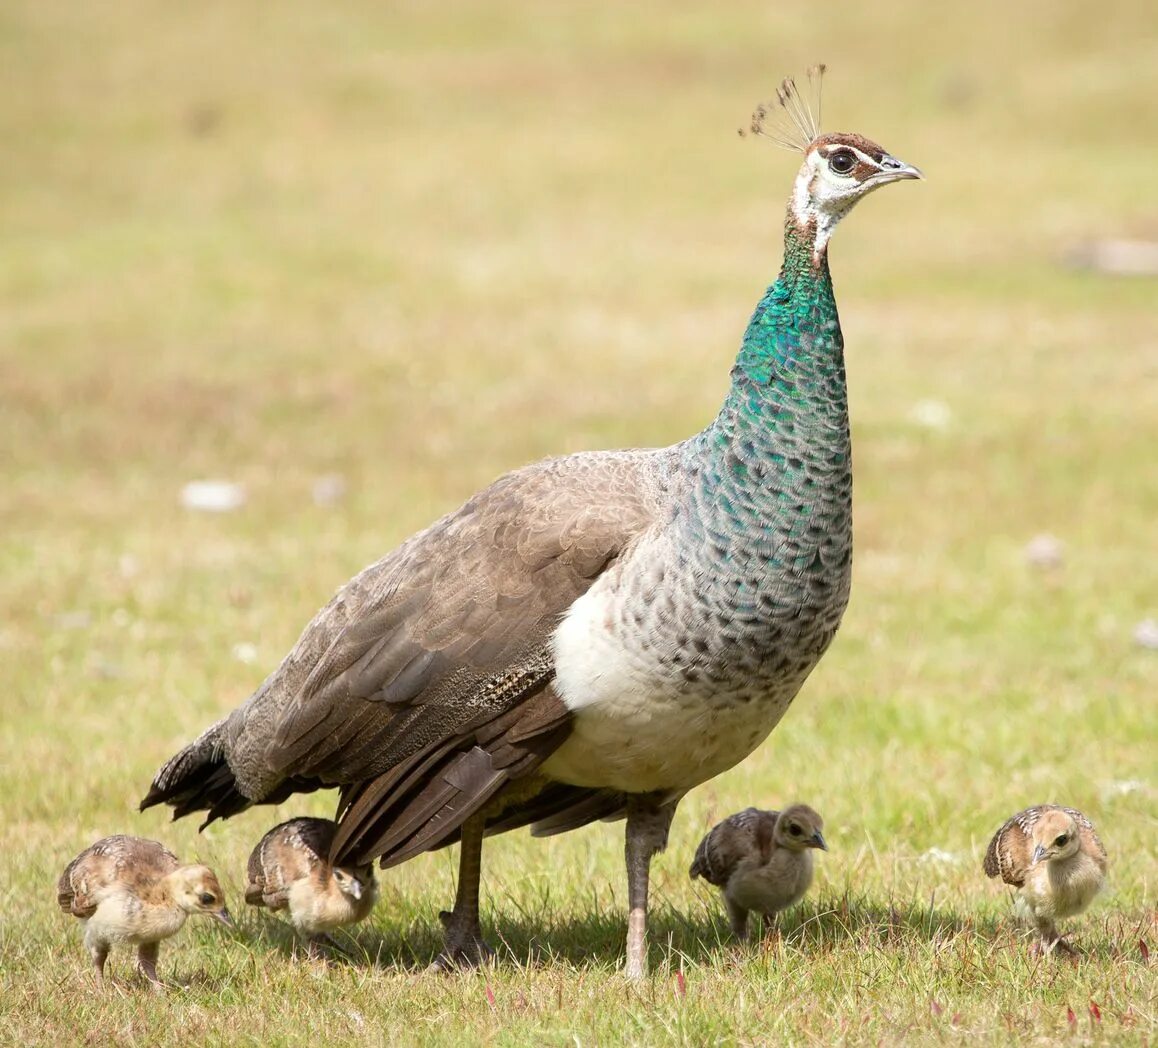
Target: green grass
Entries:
(419, 245)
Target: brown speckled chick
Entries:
(133, 890)
(290, 870)
(1053, 857)
(761, 859)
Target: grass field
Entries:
(415, 245)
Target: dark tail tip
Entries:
(198, 779)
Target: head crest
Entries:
(792, 122)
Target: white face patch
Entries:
(832, 179)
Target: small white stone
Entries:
(1146, 634)
(329, 490)
(931, 414)
(1045, 551)
(213, 496)
(1123, 788)
(939, 856)
(245, 652)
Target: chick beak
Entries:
(1038, 855)
(224, 918)
(817, 841)
(355, 888)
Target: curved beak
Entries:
(224, 918)
(355, 888)
(817, 841)
(894, 170)
(1038, 855)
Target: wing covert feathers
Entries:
(120, 859)
(288, 852)
(424, 687)
(747, 833)
(1010, 851)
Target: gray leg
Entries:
(99, 953)
(464, 946)
(738, 918)
(647, 826)
(147, 954)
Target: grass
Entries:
(416, 247)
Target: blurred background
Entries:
(354, 260)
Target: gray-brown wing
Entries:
(424, 685)
(455, 624)
(746, 834)
(117, 862)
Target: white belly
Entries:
(639, 724)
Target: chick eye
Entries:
(1061, 840)
(794, 830)
(842, 162)
(207, 899)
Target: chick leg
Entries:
(737, 918)
(99, 952)
(464, 945)
(647, 826)
(323, 948)
(147, 954)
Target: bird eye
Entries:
(207, 899)
(842, 161)
(1061, 840)
(794, 830)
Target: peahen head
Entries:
(839, 168)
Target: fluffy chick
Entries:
(290, 870)
(761, 859)
(1053, 857)
(133, 890)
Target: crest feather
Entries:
(792, 121)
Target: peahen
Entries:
(591, 636)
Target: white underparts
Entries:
(639, 726)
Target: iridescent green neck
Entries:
(788, 383)
(773, 469)
(793, 337)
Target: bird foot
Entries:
(464, 946)
(770, 935)
(325, 948)
(1044, 947)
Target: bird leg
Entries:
(738, 918)
(464, 946)
(647, 826)
(1051, 940)
(147, 954)
(323, 947)
(99, 953)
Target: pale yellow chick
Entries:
(290, 870)
(133, 890)
(1053, 857)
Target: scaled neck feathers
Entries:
(774, 467)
